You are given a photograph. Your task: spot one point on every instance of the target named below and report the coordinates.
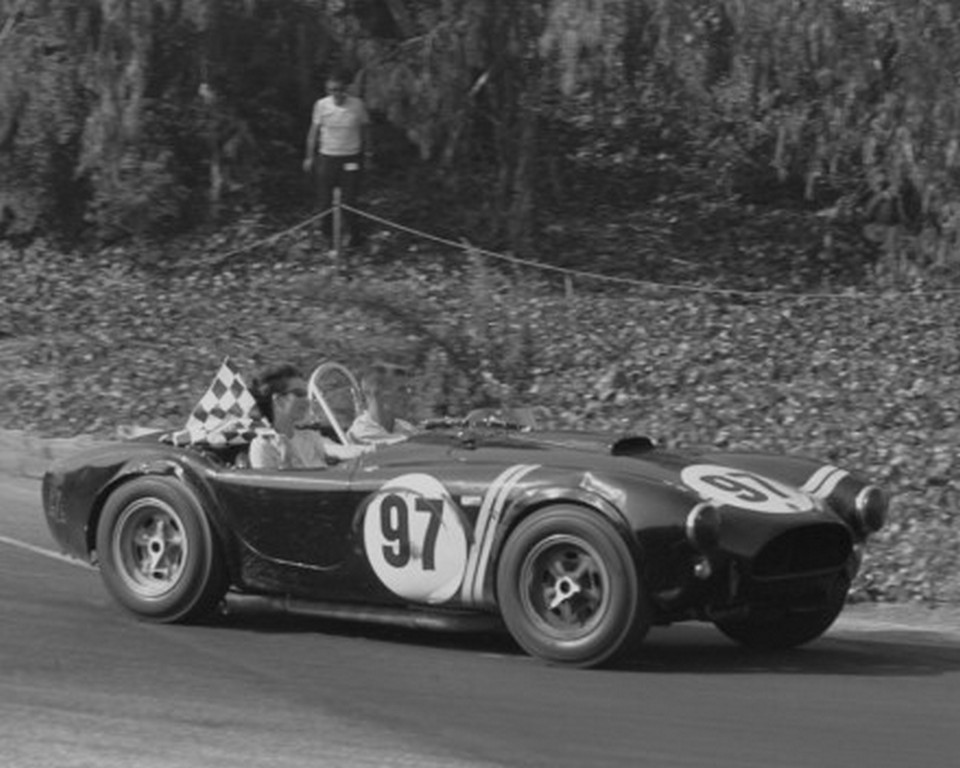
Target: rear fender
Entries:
(162, 467)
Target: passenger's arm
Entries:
(339, 452)
(265, 453)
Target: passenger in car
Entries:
(386, 390)
(281, 395)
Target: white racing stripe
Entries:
(823, 482)
(480, 529)
(45, 552)
(487, 518)
(497, 511)
(814, 481)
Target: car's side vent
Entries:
(804, 550)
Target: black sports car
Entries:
(577, 542)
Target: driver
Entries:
(281, 394)
(386, 391)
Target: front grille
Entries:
(803, 550)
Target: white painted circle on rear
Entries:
(747, 490)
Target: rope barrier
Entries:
(636, 282)
(272, 238)
(570, 272)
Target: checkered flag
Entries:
(226, 415)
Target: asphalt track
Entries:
(83, 684)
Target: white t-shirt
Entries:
(340, 126)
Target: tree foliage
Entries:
(132, 117)
(853, 104)
(123, 115)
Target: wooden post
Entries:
(337, 221)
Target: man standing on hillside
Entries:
(337, 144)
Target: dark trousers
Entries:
(343, 172)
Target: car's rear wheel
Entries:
(789, 629)
(158, 556)
(568, 589)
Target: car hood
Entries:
(755, 482)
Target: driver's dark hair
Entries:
(272, 381)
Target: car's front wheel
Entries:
(568, 589)
(158, 556)
(780, 631)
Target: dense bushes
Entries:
(119, 120)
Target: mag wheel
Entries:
(157, 554)
(786, 630)
(568, 589)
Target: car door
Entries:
(301, 531)
(410, 523)
(294, 526)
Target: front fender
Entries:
(528, 502)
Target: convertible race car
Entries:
(575, 542)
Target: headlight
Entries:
(703, 527)
(871, 505)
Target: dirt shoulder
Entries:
(26, 455)
(939, 619)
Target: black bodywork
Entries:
(333, 535)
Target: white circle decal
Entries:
(416, 539)
(746, 490)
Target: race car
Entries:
(574, 542)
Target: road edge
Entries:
(26, 455)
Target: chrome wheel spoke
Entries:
(565, 611)
(550, 596)
(149, 564)
(556, 568)
(151, 546)
(573, 573)
(593, 593)
(584, 567)
(564, 590)
(566, 585)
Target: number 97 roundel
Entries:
(747, 490)
(416, 539)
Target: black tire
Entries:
(568, 589)
(158, 556)
(773, 632)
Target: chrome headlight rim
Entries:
(702, 527)
(871, 505)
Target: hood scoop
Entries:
(635, 445)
